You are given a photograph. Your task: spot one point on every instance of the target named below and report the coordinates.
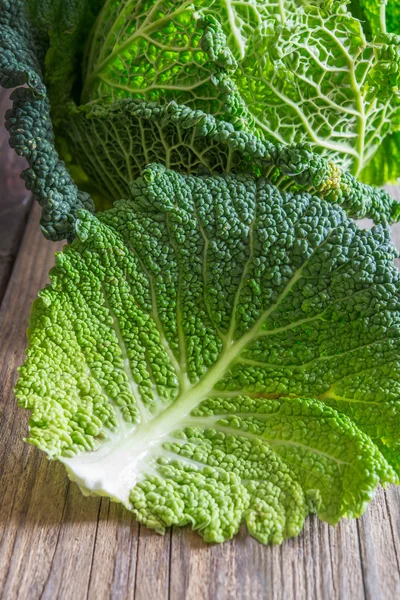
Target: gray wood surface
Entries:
(54, 543)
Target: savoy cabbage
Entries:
(222, 345)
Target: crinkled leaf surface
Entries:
(214, 350)
(64, 25)
(304, 72)
(115, 143)
(23, 53)
(239, 19)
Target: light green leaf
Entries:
(312, 79)
(384, 167)
(213, 350)
(377, 15)
(318, 80)
(239, 19)
(161, 51)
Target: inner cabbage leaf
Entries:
(239, 19)
(317, 80)
(213, 350)
(385, 164)
(377, 15)
(160, 50)
(290, 72)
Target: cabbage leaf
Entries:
(213, 350)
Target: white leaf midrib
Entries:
(114, 468)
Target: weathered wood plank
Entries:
(392, 498)
(15, 201)
(323, 562)
(379, 551)
(210, 571)
(153, 565)
(32, 488)
(115, 554)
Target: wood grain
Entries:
(55, 543)
(15, 201)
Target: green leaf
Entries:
(22, 56)
(114, 143)
(377, 15)
(384, 167)
(240, 19)
(21, 51)
(317, 80)
(65, 25)
(212, 350)
(160, 50)
(286, 86)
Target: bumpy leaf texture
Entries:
(64, 25)
(160, 50)
(115, 142)
(22, 54)
(316, 79)
(213, 350)
(239, 19)
(377, 15)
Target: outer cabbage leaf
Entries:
(213, 350)
(317, 80)
(21, 51)
(65, 27)
(22, 54)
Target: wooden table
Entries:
(57, 544)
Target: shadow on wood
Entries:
(15, 200)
